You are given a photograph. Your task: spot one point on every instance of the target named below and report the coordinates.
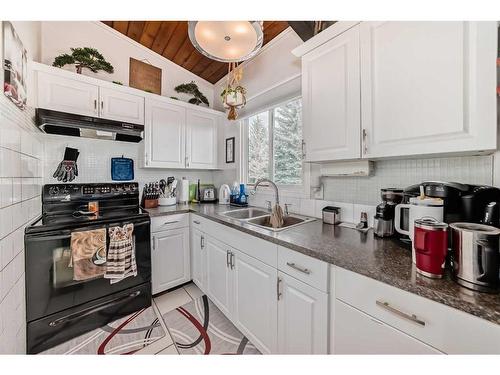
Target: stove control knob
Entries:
(54, 190)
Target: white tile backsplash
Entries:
(21, 151)
(403, 173)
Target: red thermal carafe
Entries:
(431, 245)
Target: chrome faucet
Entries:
(273, 185)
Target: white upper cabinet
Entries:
(201, 139)
(78, 96)
(390, 89)
(164, 134)
(67, 95)
(330, 97)
(427, 87)
(121, 106)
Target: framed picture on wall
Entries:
(230, 150)
(15, 66)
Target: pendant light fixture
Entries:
(226, 41)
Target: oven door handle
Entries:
(94, 309)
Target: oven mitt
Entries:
(67, 170)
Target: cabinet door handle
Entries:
(102, 105)
(231, 260)
(196, 222)
(228, 254)
(365, 142)
(95, 105)
(202, 242)
(187, 161)
(278, 292)
(298, 268)
(154, 243)
(413, 318)
(303, 149)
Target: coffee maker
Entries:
(462, 202)
(383, 224)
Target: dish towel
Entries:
(88, 254)
(121, 254)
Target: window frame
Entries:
(285, 189)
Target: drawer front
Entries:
(260, 249)
(161, 223)
(312, 271)
(445, 328)
(359, 333)
(197, 222)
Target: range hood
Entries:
(54, 122)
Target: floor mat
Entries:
(199, 327)
(123, 336)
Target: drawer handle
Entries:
(298, 268)
(196, 222)
(413, 318)
(170, 222)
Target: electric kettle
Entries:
(224, 194)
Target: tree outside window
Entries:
(275, 144)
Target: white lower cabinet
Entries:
(218, 286)
(170, 259)
(358, 333)
(198, 258)
(255, 300)
(302, 317)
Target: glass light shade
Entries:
(226, 41)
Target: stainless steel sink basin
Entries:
(289, 222)
(245, 213)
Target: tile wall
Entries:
(94, 161)
(362, 194)
(21, 152)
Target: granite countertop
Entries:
(385, 260)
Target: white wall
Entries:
(59, 36)
(21, 153)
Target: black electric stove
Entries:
(59, 308)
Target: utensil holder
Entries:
(167, 201)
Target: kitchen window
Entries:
(274, 145)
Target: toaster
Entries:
(207, 194)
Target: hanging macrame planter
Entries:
(233, 96)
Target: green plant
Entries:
(232, 91)
(85, 57)
(192, 89)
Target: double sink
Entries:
(261, 218)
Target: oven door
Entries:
(50, 287)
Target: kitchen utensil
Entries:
(418, 208)
(224, 194)
(475, 256)
(431, 245)
(331, 215)
(163, 186)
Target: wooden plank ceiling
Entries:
(170, 39)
